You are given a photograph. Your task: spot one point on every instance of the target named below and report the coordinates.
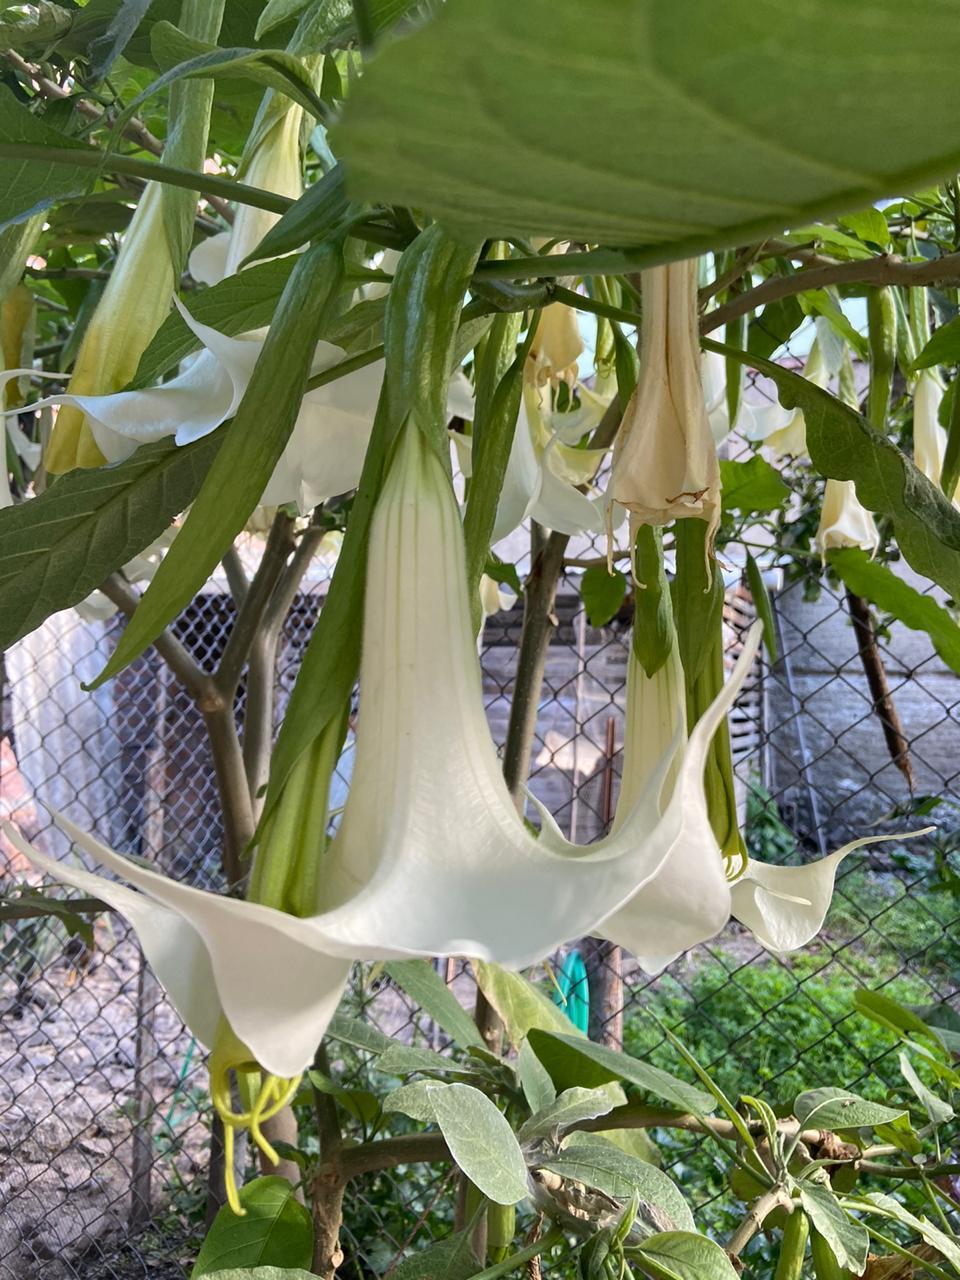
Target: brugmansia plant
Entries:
(356, 305)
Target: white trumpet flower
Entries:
(442, 863)
(664, 460)
(844, 520)
(753, 422)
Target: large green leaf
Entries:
(881, 586)
(717, 123)
(40, 25)
(569, 1109)
(519, 1005)
(449, 1259)
(316, 212)
(29, 185)
(572, 1060)
(275, 1229)
(57, 548)
(252, 445)
(843, 446)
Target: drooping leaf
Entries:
(58, 547)
(932, 1234)
(574, 1060)
(733, 146)
(938, 1111)
(843, 446)
(833, 1108)
(105, 49)
(359, 1033)
(687, 1256)
(406, 1059)
(429, 991)
(593, 1160)
(764, 606)
(881, 586)
(252, 445)
(602, 593)
(276, 1230)
(534, 1079)
(848, 1238)
(751, 486)
(277, 11)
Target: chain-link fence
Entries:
(104, 1115)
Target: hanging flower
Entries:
(929, 438)
(785, 434)
(665, 460)
(134, 304)
(844, 521)
(26, 451)
(754, 421)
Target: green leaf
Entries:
(774, 326)
(187, 58)
(275, 1229)
(881, 586)
(764, 607)
(360, 1033)
(938, 1111)
(942, 348)
(58, 547)
(593, 1160)
(573, 1060)
(277, 11)
(40, 25)
(890, 1208)
(843, 446)
(870, 225)
(751, 486)
(105, 50)
(833, 1108)
(847, 1238)
(413, 1100)
(569, 1108)
(419, 979)
(887, 1012)
(518, 1003)
(685, 1255)
(534, 1079)
(734, 146)
(311, 217)
(405, 1060)
(28, 186)
(449, 1259)
(363, 1105)
(602, 593)
(481, 1142)
(252, 445)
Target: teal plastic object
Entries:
(572, 993)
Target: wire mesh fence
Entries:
(104, 1116)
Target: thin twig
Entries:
(757, 1214)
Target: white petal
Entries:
(785, 907)
(521, 481)
(844, 521)
(277, 988)
(172, 947)
(208, 259)
(560, 506)
(460, 401)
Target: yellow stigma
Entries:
(263, 1095)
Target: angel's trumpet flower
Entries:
(431, 857)
(132, 308)
(929, 438)
(557, 342)
(665, 461)
(844, 520)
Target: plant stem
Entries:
(522, 1256)
(759, 1211)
